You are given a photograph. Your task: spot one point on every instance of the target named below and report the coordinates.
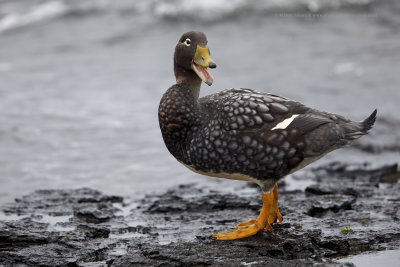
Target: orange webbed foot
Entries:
(239, 232)
(244, 224)
(268, 215)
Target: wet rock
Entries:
(94, 231)
(375, 149)
(94, 214)
(391, 175)
(22, 233)
(170, 202)
(323, 204)
(386, 173)
(85, 227)
(322, 189)
(318, 190)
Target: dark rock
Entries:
(94, 231)
(349, 171)
(327, 203)
(318, 190)
(22, 233)
(93, 214)
(85, 227)
(168, 203)
(391, 175)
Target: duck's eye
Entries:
(187, 42)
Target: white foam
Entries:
(213, 9)
(204, 8)
(40, 12)
(348, 68)
(18, 15)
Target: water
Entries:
(80, 81)
(387, 258)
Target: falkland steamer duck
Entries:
(244, 134)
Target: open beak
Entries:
(201, 62)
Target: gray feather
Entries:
(308, 122)
(354, 130)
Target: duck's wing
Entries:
(249, 132)
(264, 135)
(243, 109)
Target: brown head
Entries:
(192, 59)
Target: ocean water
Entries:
(387, 258)
(80, 81)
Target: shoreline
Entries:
(348, 210)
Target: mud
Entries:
(348, 210)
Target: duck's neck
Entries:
(188, 79)
(179, 112)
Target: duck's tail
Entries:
(354, 130)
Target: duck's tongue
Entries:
(203, 73)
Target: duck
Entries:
(243, 134)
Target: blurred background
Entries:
(80, 81)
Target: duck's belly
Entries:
(232, 176)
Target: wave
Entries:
(215, 9)
(43, 11)
(17, 13)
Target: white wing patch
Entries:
(285, 123)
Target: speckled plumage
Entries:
(238, 130)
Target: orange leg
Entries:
(268, 215)
(274, 212)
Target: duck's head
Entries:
(193, 56)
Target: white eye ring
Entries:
(187, 42)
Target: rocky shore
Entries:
(346, 210)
